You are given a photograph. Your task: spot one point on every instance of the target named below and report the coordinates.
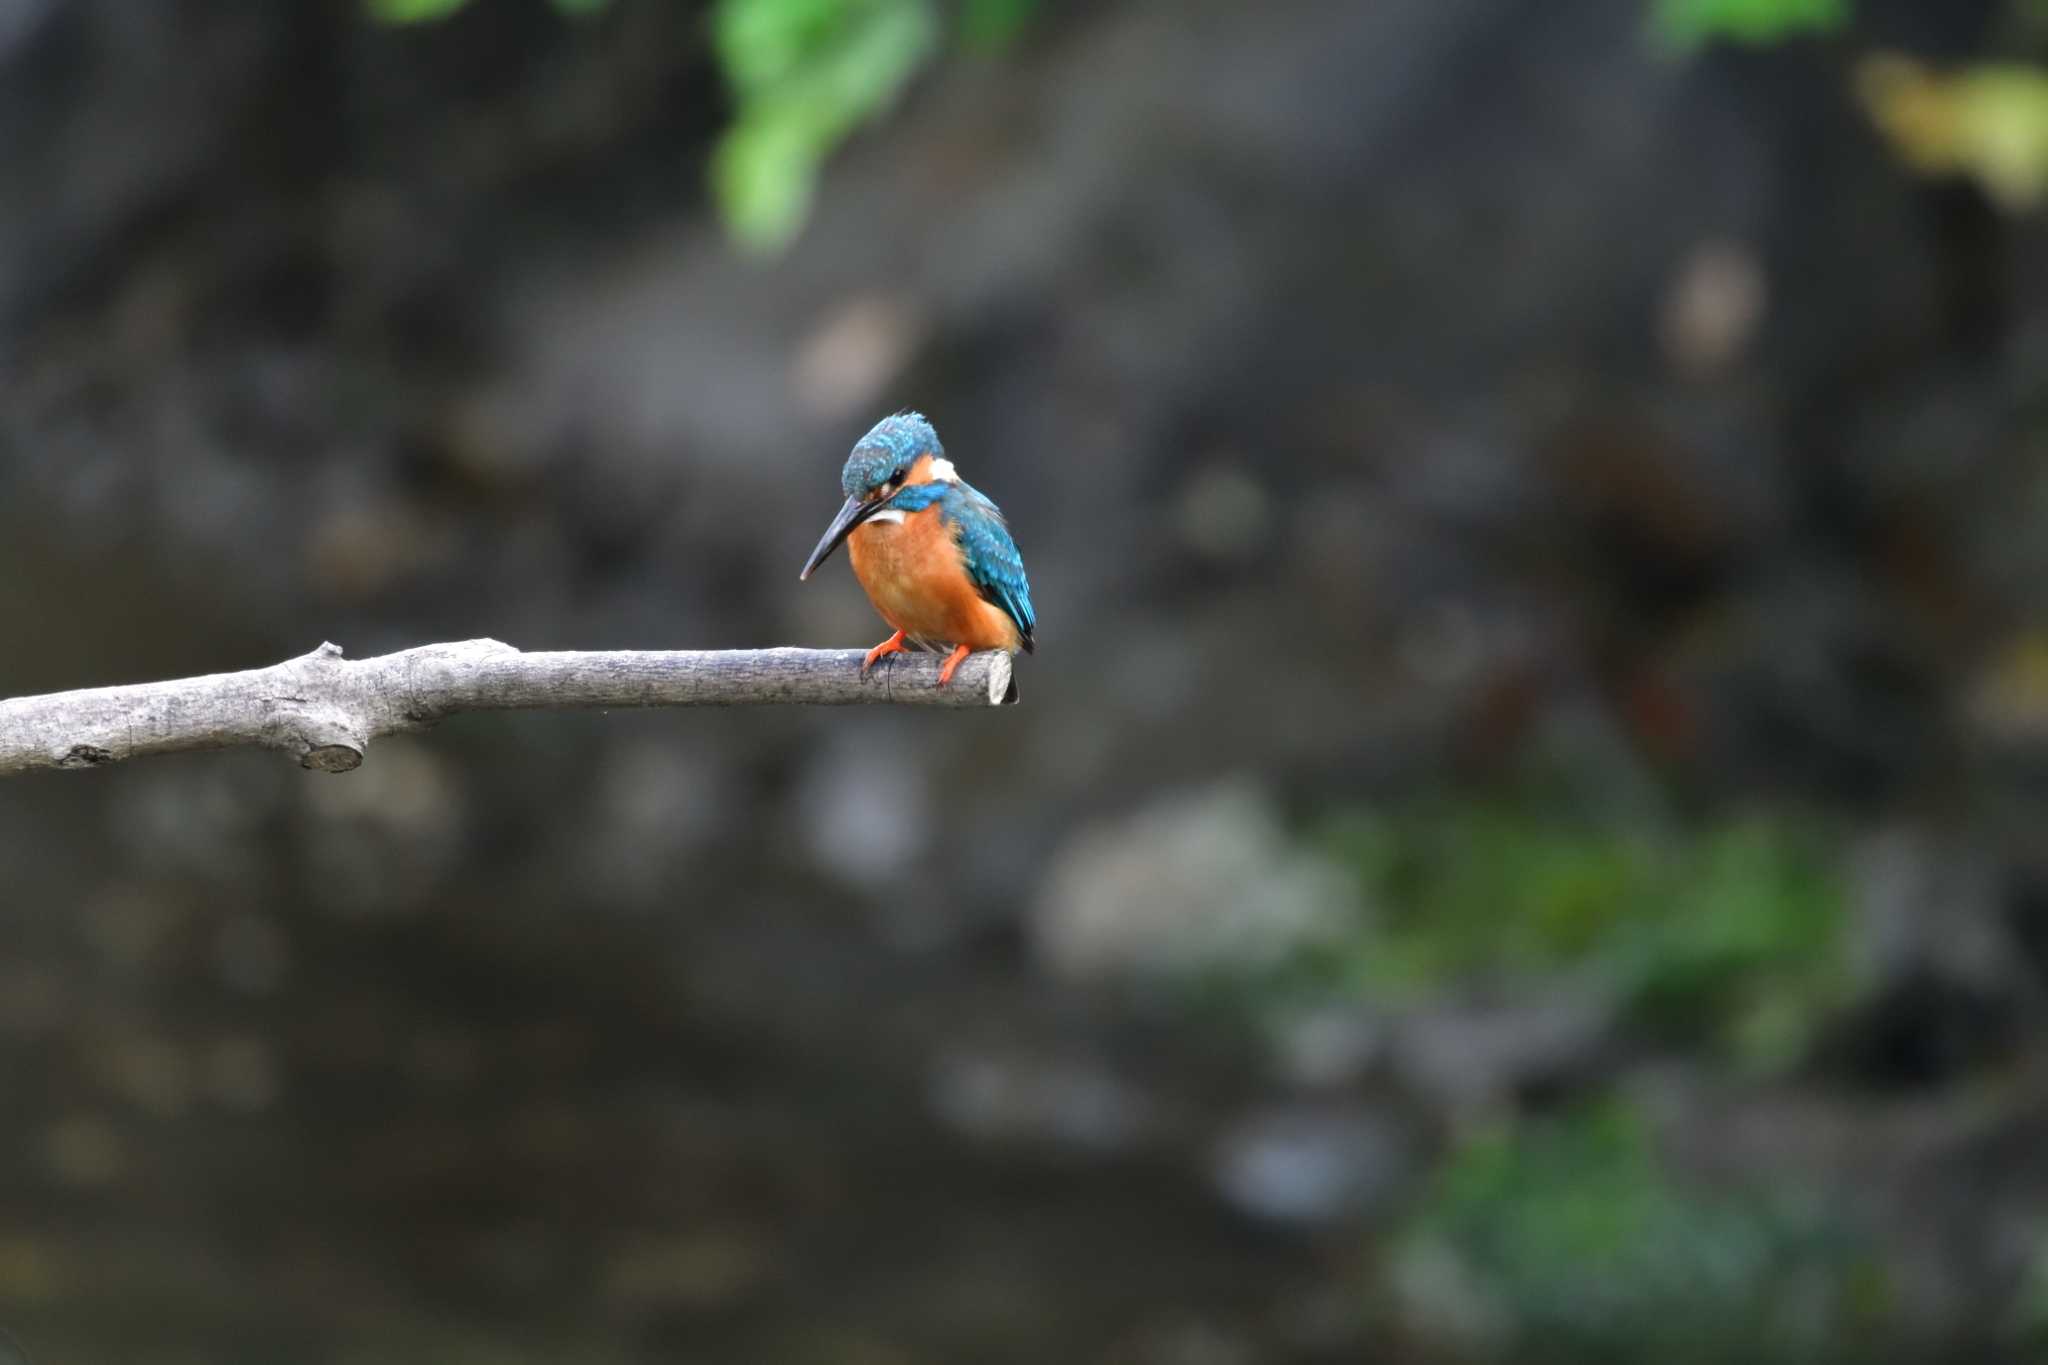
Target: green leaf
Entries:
(763, 173)
(804, 74)
(807, 73)
(412, 11)
(1572, 1234)
(1689, 24)
(427, 11)
(990, 25)
(1989, 122)
(1728, 937)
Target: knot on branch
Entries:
(332, 758)
(318, 713)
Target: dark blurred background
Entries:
(1525, 834)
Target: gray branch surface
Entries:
(324, 709)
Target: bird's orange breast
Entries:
(913, 573)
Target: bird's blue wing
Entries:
(991, 556)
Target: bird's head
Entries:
(897, 452)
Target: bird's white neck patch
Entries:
(891, 514)
(942, 471)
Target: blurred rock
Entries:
(863, 810)
(1711, 308)
(1311, 1166)
(1444, 1301)
(843, 369)
(1921, 903)
(1941, 980)
(1332, 1046)
(1470, 1056)
(658, 807)
(1197, 881)
(998, 1097)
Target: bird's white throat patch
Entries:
(894, 514)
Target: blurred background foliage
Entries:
(804, 75)
(1568, 1238)
(1523, 841)
(1987, 120)
(1687, 24)
(1729, 936)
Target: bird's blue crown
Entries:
(893, 444)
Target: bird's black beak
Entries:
(853, 514)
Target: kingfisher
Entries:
(933, 554)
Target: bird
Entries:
(933, 554)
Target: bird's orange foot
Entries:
(953, 661)
(893, 645)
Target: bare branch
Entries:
(324, 709)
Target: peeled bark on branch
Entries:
(324, 709)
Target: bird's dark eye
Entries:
(896, 479)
